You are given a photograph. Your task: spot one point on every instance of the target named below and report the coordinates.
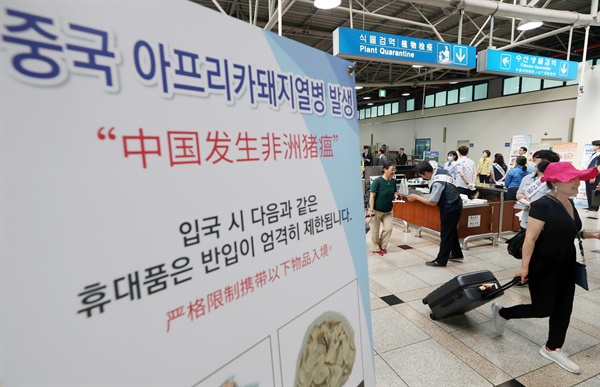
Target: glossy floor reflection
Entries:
(413, 350)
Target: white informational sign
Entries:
(581, 197)
(176, 203)
(522, 140)
(474, 221)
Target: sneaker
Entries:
(380, 252)
(384, 251)
(499, 321)
(559, 358)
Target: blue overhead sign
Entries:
(359, 44)
(526, 65)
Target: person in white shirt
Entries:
(531, 188)
(450, 165)
(590, 185)
(465, 173)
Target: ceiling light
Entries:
(405, 94)
(526, 24)
(453, 83)
(417, 66)
(370, 104)
(327, 4)
(367, 97)
(358, 87)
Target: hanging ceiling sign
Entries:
(533, 66)
(358, 44)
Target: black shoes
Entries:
(434, 263)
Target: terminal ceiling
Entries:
(434, 20)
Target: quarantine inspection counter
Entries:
(480, 219)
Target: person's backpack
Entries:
(367, 195)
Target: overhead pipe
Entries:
(487, 7)
(385, 17)
(425, 83)
(537, 37)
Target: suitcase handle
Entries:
(502, 288)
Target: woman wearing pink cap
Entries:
(548, 261)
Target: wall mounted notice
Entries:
(175, 207)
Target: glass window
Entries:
(466, 94)
(530, 84)
(373, 111)
(511, 86)
(367, 113)
(379, 110)
(422, 145)
(452, 96)
(395, 107)
(481, 91)
(387, 109)
(361, 114)
(410, 105)
(575, 82)
(429, 101)
(440, 99)
(550, 83)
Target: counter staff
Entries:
(444, 194)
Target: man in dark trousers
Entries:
(402, 158)
(443, 193)
(367, 156)
(590, 185)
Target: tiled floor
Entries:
(413, 350)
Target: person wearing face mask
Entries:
(444, 194)
(514, 178)
(590, 185)
(531, 187)
(548, 261)
(450, 165)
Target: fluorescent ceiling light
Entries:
(370, 104)
(405, 94)
(367, 97)
(526, 24)
(358, 87)
(327, 4)
(417, 66)
(453, 83)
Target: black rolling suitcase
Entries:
(465, 292)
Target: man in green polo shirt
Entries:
(383, 192)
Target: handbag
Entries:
(368, 220)
(515, 244)
(596, 198)
(581, 275)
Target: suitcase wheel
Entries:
(432, 316)
(425, 301)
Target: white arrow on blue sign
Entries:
(359, 44)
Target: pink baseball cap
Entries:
(565, 172)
